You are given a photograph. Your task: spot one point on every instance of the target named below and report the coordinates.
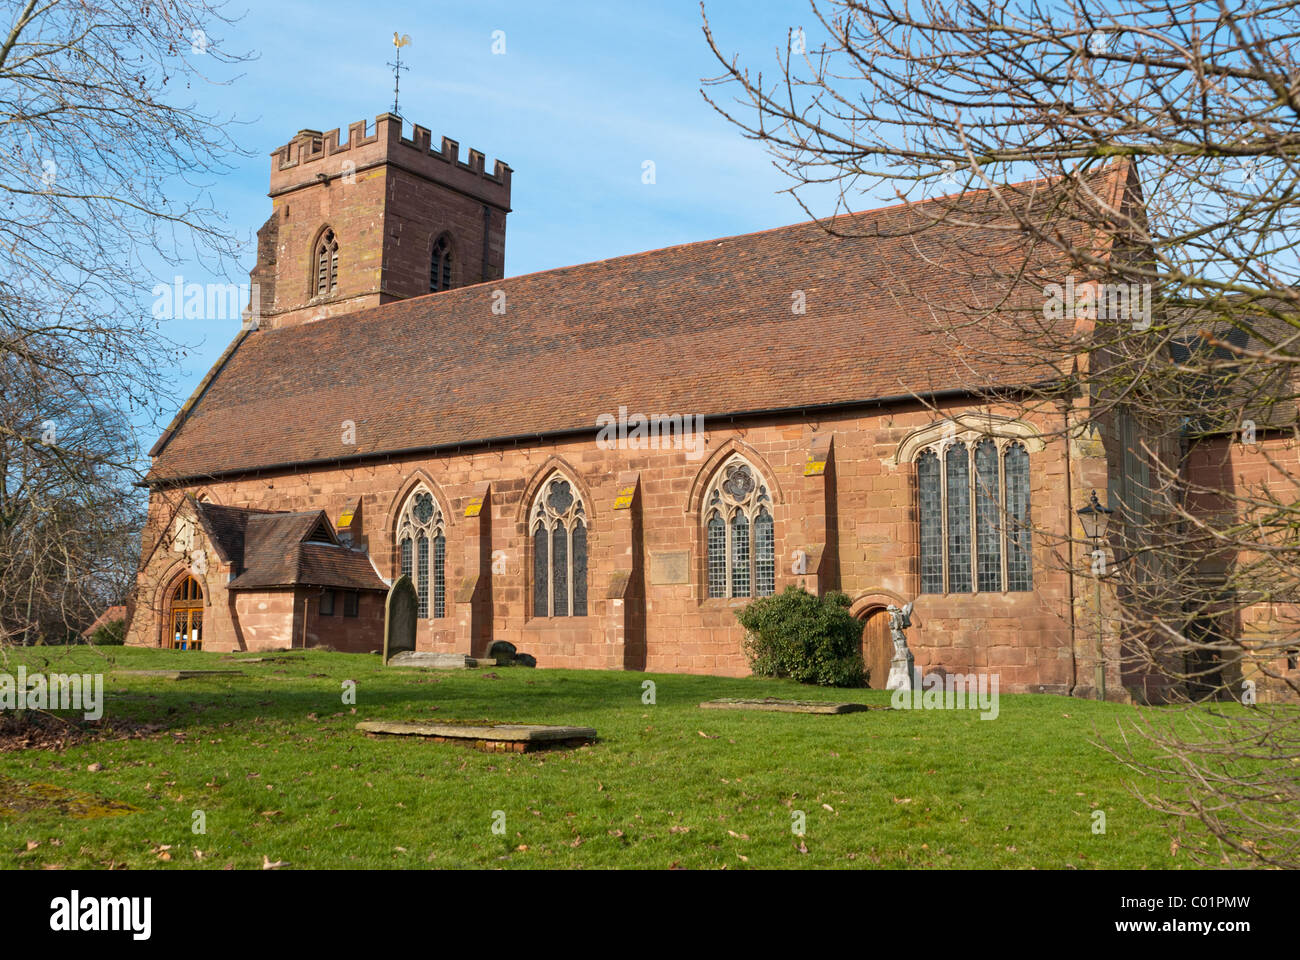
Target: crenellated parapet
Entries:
(314, 157)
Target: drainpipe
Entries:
(1069, 512)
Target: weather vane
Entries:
(398, 41)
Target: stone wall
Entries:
(839, 501)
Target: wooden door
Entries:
(187, 616)
(877, 647)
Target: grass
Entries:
(274, 763)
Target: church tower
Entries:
(375, 219)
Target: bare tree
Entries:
(104, 167)
(1144, 284)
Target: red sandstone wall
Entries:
(872, 529)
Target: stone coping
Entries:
(790, 706)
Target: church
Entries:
(600, 464)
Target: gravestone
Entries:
(400, 618)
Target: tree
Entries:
(103, 166)
(1160, 317)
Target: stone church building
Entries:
(600, 463)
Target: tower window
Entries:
(327, 264)
(440, 266)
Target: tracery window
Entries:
(422, 551)
(739, 533)
(327, 263)
(559, 531)
(440, 265)
(973, 501)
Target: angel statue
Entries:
(900, 668)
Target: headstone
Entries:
(400, 618)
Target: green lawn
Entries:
(275, 764)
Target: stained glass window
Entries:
(1020, 574)
(957, 467)
(422, 573)
(579, 569)
(541, 573)
(740, 537)
(765, 555)
(422, 551)
(739, 555)
(559, 551)
(998, 555)
(440, 576)
(988, 533)
(931, 503)
(717, 555)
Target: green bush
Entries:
(111, 634)
(806, 638)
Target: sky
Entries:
(583, 95)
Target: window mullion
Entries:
(943, 514)
(974, 521)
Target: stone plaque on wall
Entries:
(670, 567)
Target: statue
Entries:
(901, 666)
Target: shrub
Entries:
(806, 638)
(111, 634)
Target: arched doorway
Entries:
(877, 647)
(186, 616)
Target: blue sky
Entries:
(584, 94)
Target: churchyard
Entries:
(266, 768)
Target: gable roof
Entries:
(116, 612)
(698, 329)
(285, 549)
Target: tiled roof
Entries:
(282, 549)
(108, 616)
(703, 328)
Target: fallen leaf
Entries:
(95, 767)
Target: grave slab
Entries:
(181, 674)
(492, 738)
(790, 706)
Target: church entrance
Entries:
(187, 616)
(877, 647)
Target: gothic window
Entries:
(327, 264)
(559, 530)
(440, 266)
(422, 552)
(986, 548)
(739, 534)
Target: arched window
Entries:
(985, 549)
(422, 550)
(559, 532)
(739, 533)
(327, 263)
(440, 265)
